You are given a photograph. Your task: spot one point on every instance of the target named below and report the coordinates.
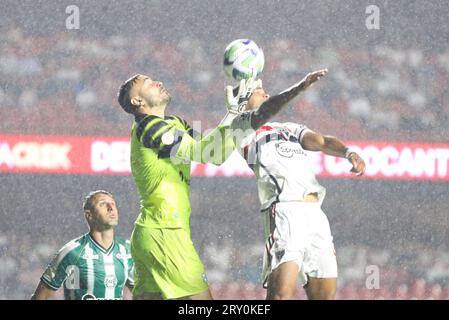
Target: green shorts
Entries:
(166, 262)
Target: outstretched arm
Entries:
(332, 146)
(275, 103)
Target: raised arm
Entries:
(332, 146)
(275, 103)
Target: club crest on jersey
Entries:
(285, 150)
(110, 281)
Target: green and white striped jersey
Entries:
(88, 271)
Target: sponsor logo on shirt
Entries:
(286, 149)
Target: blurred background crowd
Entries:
(398, 228)
(388, 84)
(380, 92)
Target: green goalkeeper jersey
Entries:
(161, 150)
(89, 271)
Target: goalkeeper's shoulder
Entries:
(187, 128)
(149, 125)
(157, 133)
(181, 120)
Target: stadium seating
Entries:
(384, 98)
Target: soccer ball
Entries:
(243, 59)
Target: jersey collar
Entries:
(100, 247)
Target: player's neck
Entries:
(104, 238)
(158, 111)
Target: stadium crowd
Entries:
(369, 93)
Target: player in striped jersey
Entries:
(167, 264)
(97, 265)
(299, 243)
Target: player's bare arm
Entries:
(332, 146)
(275, 103)
(43, 292)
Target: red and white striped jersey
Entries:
(283, 169)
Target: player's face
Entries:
(104, 213)
(258, 97)
(153, 92)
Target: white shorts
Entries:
(300, 232)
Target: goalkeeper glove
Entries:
(236, 104)
(248, 90)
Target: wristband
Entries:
(348, 152)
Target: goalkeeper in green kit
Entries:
(166, 263)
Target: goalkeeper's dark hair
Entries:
(89, 199)
(123, 94)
